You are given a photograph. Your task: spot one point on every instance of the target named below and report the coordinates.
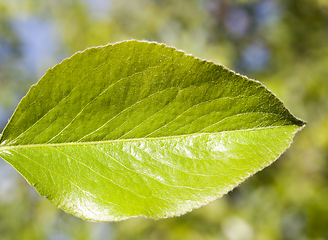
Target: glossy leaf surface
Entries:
(142, 129)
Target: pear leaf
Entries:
(138, 128)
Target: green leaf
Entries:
(141, 129)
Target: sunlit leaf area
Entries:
(283, 44)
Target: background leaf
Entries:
(141, 129)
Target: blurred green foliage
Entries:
(281, 43)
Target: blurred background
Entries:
(282, 43)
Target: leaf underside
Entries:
(141, 129)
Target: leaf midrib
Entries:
(4, 147)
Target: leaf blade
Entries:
(157, 98)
